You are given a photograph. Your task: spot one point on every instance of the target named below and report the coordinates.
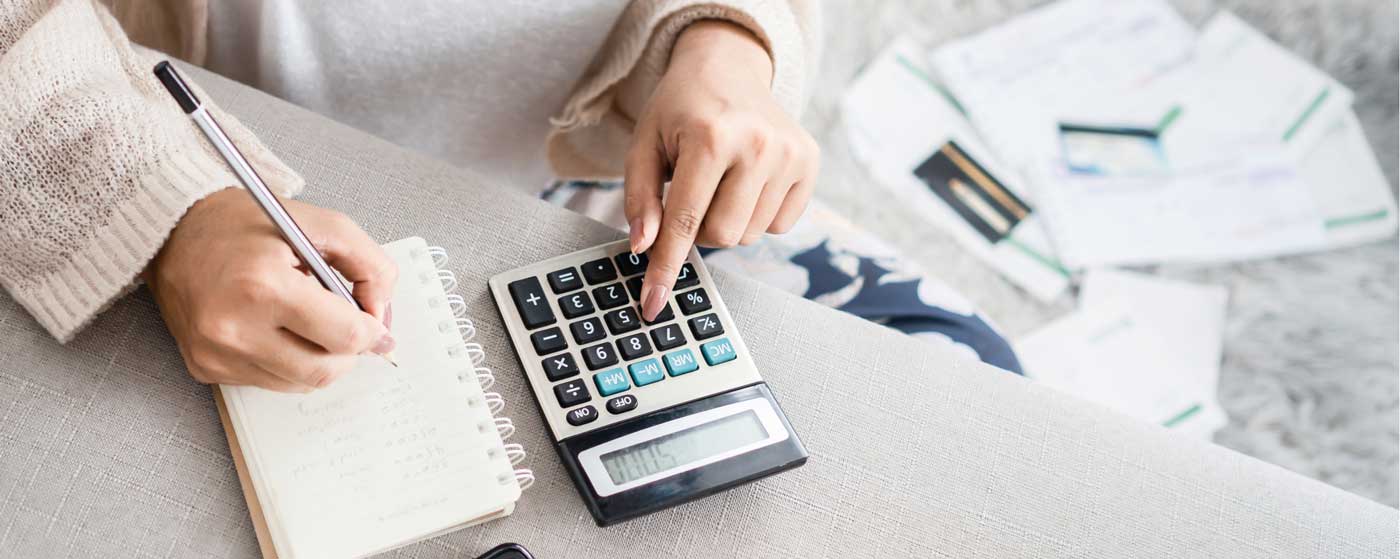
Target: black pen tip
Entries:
(165, 72)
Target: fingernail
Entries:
(389, 315)
(634, 234)
(384, 345)
(653, 301)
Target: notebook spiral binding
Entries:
(476, 356)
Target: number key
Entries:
(706, 326)
(692, 302)
(576, 305)
(634, 346)
(599, 271)
(586, 331)
(599, 356)
(622, 320)
(668, 336)
(634, 286)
(610, 296)
(631, 264)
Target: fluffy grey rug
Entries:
(1310, 370)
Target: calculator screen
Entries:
(683, 447)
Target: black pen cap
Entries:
(165, 72)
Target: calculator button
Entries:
(622, 404)
(633, 347)
(529, 299)
(634, 286)
(680, 362)
(610, 296)
(564, 281)
(599, 271)
(646, 372)
(559, 367)
(663, 316)
(586, 331)
(631, 264)
(571, 393)
(622, 320)
(687, 277)
(548, 341)
(692, 302)
(706, 326)
(611, 382)
(599, 356)
(718, 351)
(576, 305)
(582, 415)
(668, 336)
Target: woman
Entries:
(106, 181)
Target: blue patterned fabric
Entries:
(828, 260)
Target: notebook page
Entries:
(385, 455)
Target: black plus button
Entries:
(610, 296)
(576, 305)
(572, 393)
(667, 337)
(581, 415)
(529, 299)
(631, 264)
(687, 277)
(564, 281)
(706, 326)
(548, 341)
(622, 404)
(590, 330)
(622, 320)
(599, 271)
(633, 347)
(599, 356)
(692, 302)
(559, 367)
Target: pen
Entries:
(308, 254)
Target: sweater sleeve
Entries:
(593, 131)
(97, 163)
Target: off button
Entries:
(622, 404)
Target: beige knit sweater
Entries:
(97, 164)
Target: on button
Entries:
(582, 415)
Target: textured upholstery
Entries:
(107, 448)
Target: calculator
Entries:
(644, 415)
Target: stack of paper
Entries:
(1147, 347)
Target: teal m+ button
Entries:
(610, 381)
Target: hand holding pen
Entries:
(251, 297)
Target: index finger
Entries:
(697, 175)
(361, 260)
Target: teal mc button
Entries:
(681, 362)
(611, 381)
(718, 351)
(646, 372)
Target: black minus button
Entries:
(529, 299)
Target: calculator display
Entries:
(683, 447)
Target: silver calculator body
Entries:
(644, 415)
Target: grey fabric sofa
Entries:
(107, 447)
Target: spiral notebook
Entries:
(385, 456)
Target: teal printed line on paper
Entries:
(914, 69)
(1307, 113)
(1183, 416)
(1167, 119)
(1335, 222)
(1049, 262)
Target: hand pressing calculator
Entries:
(645, 415)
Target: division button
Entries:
(572, 393)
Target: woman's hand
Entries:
(243, 310)
(739, 165)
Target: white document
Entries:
(1147, 347)
(1352, 193)
(1250, 204)
(1032, 68)
(896, 118)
